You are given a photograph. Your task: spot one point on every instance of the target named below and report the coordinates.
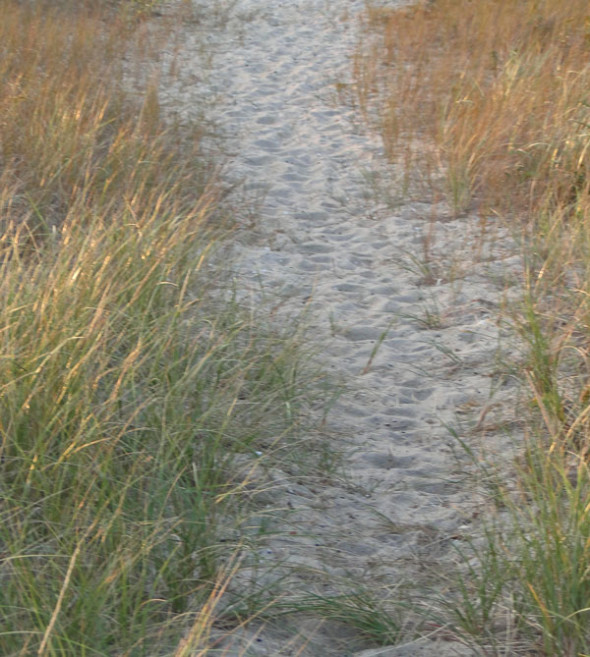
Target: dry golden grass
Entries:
(493, 97)
(68, 134)
(492, 100)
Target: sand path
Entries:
(325, 241)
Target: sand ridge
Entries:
(324, 241)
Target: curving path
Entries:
(327, 241)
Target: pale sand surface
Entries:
(325, 241)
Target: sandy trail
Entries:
(325, 241)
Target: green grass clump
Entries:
(129, 379)
(526, 585)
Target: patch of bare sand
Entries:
(401, 301)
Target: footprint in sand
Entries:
(275, 65)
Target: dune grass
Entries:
(492, 103)
(130, 376)
(486, 105)
(137, 398)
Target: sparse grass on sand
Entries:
(487, 105)
(129, 380)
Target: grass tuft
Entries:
(491, 100)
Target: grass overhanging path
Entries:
(128, 382)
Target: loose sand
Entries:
(326, 241)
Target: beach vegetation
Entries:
(141, 402)
(486, 106)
